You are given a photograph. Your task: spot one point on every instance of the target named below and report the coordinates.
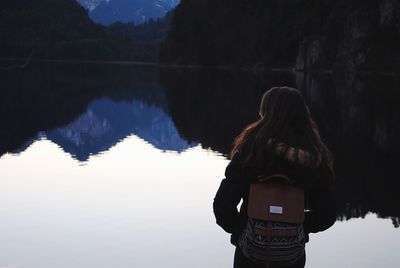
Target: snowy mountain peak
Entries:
(137, 11)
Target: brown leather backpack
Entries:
(274, 198)
(274, 232)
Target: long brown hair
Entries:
(285, 123)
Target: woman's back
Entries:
(269, 147)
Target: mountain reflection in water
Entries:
(87, 109)
(107, 122)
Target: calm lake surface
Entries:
(117, 166)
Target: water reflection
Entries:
(87, 109)
(44, 97)
(134, 104)
(131, 119)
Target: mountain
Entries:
(351, 35)
(107, 12)
(61, 29)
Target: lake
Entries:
(117, 165)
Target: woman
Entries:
(284, 140)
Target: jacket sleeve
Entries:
(322, 214)
(228, 197)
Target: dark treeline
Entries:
(351, 35)
(62, 29)
(152, 31)
(359, 120)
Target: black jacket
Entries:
(316, 181)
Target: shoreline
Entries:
(25, 61)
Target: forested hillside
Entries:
(61, 29)
(152, 31)
(302, 34)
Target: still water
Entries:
(117, 166)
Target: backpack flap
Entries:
(275, 201)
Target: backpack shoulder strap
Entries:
(274, 176)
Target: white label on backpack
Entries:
(275, 209)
